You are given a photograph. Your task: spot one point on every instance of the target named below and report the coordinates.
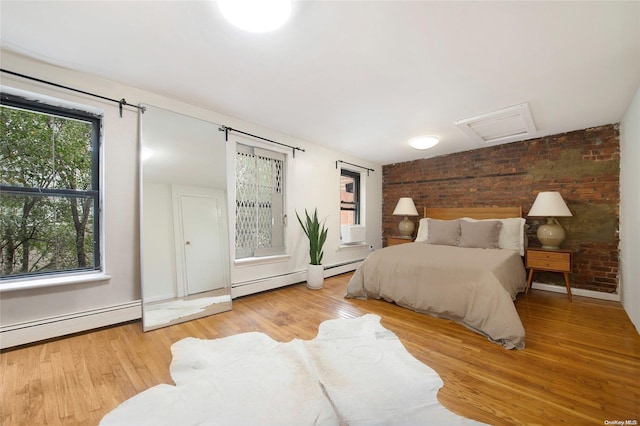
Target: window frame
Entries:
(357, 177)
(67, 110)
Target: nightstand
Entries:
(539, 259)
(394, 241)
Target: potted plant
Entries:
(317, 235)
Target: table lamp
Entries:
(550, 205)
(405, 207)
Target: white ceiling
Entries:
(360, 77)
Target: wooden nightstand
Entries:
(394, 241)
(539, 259)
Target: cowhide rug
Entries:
(355, 372)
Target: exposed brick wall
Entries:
(584, 166)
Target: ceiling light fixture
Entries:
(424, 142)
(256, 16)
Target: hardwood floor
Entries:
(581, 365)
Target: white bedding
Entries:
(473, 286)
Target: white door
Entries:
(202, 221)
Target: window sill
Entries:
(30, 283)
(353, 246)
(252, 261)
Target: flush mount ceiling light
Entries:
(424, 142)
(256, 16)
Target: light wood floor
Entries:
(581, 365)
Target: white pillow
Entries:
(423, 230)
(512, 234)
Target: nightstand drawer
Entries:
(557, 261)
(562, 266)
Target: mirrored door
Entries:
(184, 225)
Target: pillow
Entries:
(512, 234)
(443, 232)
(423, 230)
(484, 234)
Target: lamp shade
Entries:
(549, 204)
(405, 207)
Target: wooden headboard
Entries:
(472, 212)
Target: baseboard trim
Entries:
(264, 284)
(34, 331)
(576, 291)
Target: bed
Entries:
(465, 265)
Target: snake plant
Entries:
(317, 235)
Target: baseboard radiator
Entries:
(269, 283)
(341, 268)
(48, 328)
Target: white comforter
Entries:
(475, 287)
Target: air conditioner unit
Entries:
(352, 234)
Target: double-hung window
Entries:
(349, 197)
(49, 189)
(260, 202)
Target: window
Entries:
(260, 192)
(49, 189)
(349, 197)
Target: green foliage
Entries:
(316, 234)
(44, 232)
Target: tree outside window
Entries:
(49, 189)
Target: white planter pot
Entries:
(315, 276)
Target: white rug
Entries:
(355, 372)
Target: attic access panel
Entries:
(502, 126)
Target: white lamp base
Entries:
(551, 234)
(406, 227)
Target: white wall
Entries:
(315, 184)
(629, 208)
